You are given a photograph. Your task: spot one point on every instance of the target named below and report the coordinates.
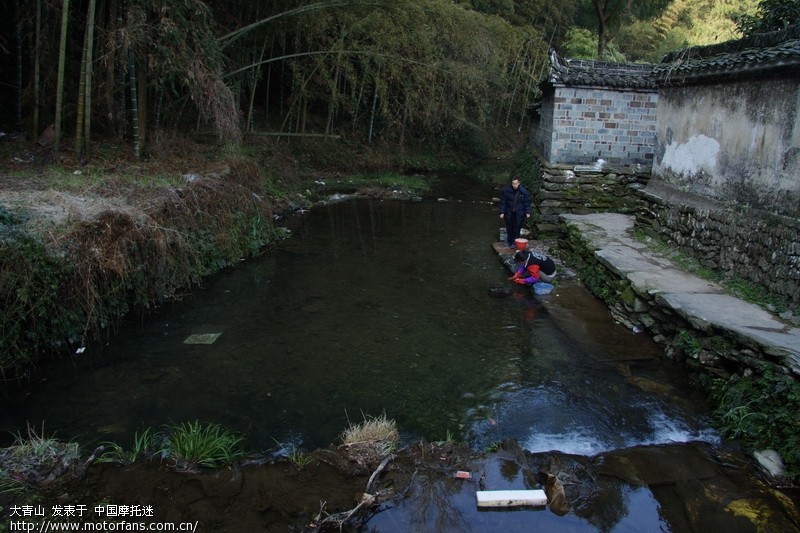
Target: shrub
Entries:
(762, 412)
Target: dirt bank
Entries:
(693, 487)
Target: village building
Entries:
(703, 148)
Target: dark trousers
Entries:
(513, 227)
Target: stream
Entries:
(382, 307)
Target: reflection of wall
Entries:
(734, 141)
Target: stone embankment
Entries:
(583, 189)
(741, 242)
(691, 317)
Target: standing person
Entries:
(533, 267)
(515, 209)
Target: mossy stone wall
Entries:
(733, 240)
(583, 189)
(711, 352)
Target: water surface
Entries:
(373, 307)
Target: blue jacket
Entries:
(512, 201)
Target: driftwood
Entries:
(354, 516)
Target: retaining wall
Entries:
(583, 189)
(739, 242)
(721, 352)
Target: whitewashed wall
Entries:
(734, 141)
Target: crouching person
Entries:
(533, 267)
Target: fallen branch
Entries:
(377, 472)
(368, 500)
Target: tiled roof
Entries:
(585, 73)
(733, 59)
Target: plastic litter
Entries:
(462, 474)
(511, 498)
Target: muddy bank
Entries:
(694, 487)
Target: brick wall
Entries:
(582, 125)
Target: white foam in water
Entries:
(576, 442)
(583, 441)
(667, 430)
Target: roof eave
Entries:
(747, 71)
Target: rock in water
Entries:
(500, 292)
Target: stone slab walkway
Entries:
(704, 304)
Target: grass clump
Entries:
(372, 429)
(296, 456)
(186, 446)
(145, 446)
(35, 458)
(367, 443)
(192, 444)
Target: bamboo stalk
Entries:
(18, 43)
(254, 83)
(62, 57)
(134, 105)
(36, 70)
(81, 107)
(89, 76)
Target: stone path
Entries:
(704, 304)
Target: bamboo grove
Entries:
(377, 70)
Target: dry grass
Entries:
(366, 444)
(372, 429)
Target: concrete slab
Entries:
(651, 274)
(511, 498)
(742, 319)
(202, 338)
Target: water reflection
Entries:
(371, 307)
(378, 307)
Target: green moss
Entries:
(628, 296)
(756, 293)
(688, 342)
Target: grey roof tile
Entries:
(586, 73)
(748, 57)
(751, 56)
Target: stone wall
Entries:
(581, 125)
(708, 350)
(583, 189)
(761, 248)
